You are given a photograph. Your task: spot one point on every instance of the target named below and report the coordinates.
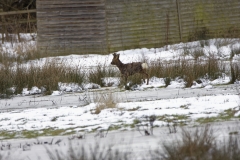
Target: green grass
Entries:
(223, 116)
(114, 127)
(204, 120)
(7, 134)
(35, 133)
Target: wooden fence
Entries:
(106, 26)
(8, 22)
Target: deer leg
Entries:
(147, 75)
(143, 78)
(126, 77)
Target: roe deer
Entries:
(129, 69)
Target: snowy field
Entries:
(70, 109)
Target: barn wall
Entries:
(105, 26)
(71, 26)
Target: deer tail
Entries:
(144, 66)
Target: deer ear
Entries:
(118, 55)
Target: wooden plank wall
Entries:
(211, 18)
(71, 26)
(141, 23)
(106, 26)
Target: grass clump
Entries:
(200, 144)
(189, 70)
(223, 116)
(47, 76)
(207, 120)
(98, 152)
(7, 134)
(101, 71)
(199, 33)
(192, 145)
(104, 101)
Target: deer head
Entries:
(115, 59)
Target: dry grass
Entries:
(189, 70)
(200, 144)
(46, 76)
(101, 71)
(88, 153)
(19, 52)
(104, 100)
(53, 72)
(193, 145)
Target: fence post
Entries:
(2, 26)
(17, 29)
(179, 20)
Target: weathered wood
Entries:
(104, 26)
(17, 12)
(19, 22)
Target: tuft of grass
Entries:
(204, 43)
(134, 109)
(167, 81)
(54, 119)
(197, 53)
(230, 150)
(192, 145)
(200, 144)
(7, 134)
(227, 114)
(104, 101)
(101, 71)
(199, 33)
(189, 70)
(89, 153)
(34, 133)
(207, 120)
(24, 51)
(186, 106)
(114, 127)
(46, 76)
(234, 51)
(223, 116)
(235, 72)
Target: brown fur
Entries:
(129, 69)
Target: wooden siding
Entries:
(71, 26)
(106, 26)
(141, 23)
(214, 17)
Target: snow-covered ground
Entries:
(71, 108)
